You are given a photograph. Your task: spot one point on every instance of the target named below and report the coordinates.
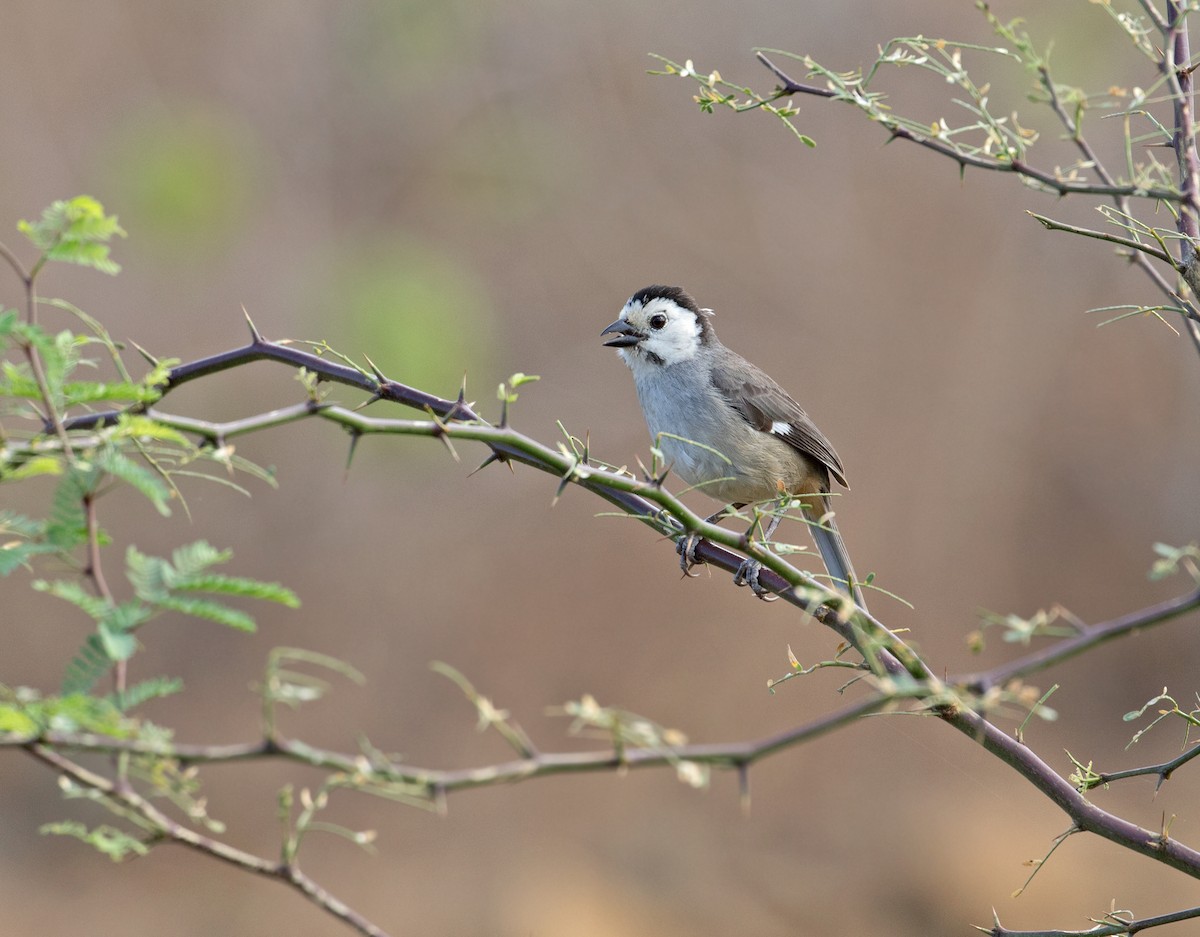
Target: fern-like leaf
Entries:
(73, 592)
(110, 841)
(192, 559)
(75, 231)
(237, 585)
(137, 476)
(67, 526)
(88, 665)
(144, 691)
(212, 611)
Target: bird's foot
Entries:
(747, 575)
(686, 548)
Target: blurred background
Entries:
(464, 186)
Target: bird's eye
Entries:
(657, 321)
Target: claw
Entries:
(747, 575)
(686, 548)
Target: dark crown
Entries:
(681, 298)
(675, 294)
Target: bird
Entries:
(726, 427)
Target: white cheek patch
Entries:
(678, 340)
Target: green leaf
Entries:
(31, 468)
(16, 554)
(67, 526)
(196, 557)
(115, 626)
(15, 721)
(19, 524)
(78, 712)
(137, 426)
(137, 476)
(77, 392)
(108, 840)
(236, 585)
(149, 575)
(114, 623)
(144, 691)
(70, 591)
(58, 355)
(29, 541)
(89, 664)
(117, 646)
(75, 231)
(157, 581)
(212, 611)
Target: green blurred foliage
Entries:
(184, 179)
(420, 314)
(388, 46)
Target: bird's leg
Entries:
(747, 574)
(686, 546)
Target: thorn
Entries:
(449, 445)
(255, 335)
(493, 457)
(504, 413)
(587, 447)
(366, 403)
(145, 354)
(457, 410)
(355, 436)
(462, 389)
(562, 486)
(378, 374)
(442, 433)
(743, 771)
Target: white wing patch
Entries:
(781, 427)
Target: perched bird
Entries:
(724, 426)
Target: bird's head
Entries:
(661, 326)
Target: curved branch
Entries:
(456, 419)
(437, 782)
(1117, 928)
(649, 501)
(1089, 636)
(1048, 180)
(1085, 815)
(288, 873)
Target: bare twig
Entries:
(1051, 225)
(1089, 636)
(1048, 180)
(126, 797)
(732, 755)
(1115, 924)
(1162, 771)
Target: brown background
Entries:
(452, 186)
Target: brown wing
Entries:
(767, 407)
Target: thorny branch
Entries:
(897, 671)
(1176, 68)
(897, 668)
(124, 795)
(1114, 924)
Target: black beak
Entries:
(626, 336)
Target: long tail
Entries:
(837, 561)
